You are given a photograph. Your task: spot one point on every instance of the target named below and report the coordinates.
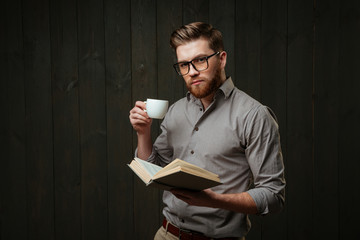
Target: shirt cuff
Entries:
(260, 199)
(151, 158)
(267, 201)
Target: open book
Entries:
(177, 174)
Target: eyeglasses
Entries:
(199, 64)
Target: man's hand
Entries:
(205, 198)
(139, 118)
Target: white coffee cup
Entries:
(156, 108)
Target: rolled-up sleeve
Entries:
(265, 159)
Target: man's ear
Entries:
(223, 57)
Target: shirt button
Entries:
(196, 129)
(201, 109)
(192, 152)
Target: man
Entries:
(220, 128)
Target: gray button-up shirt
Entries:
(235, 137)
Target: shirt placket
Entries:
(196, 134)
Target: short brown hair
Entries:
(194, 31)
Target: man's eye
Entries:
(199, 60)
(183, 65)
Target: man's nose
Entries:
(192, 70)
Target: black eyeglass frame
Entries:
(177, 69)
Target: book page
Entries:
(151, 168)
(197, 170)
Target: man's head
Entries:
(201, 58)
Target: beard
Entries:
(206, 88)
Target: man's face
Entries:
(200, 84)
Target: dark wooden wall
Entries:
(72, 70)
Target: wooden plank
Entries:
(67, 179)
(92, 120)
(13, 215)
(348, 120)
(39, 136)
(273, 87)
(195, 11)
(222, 17)
(144, 80)
(326, 62)
(299, 132)
(247, 46)
(119, 131)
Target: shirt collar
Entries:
(226, 88)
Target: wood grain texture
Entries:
(13, 181)
(195, 11)
(247, 47)
(65, 97)
(299, 130)
(348, 117)
(39, 126)
(93, 131)
(326, 75)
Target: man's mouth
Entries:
(196, 82)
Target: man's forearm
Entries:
(144, 148)
(237, 202)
